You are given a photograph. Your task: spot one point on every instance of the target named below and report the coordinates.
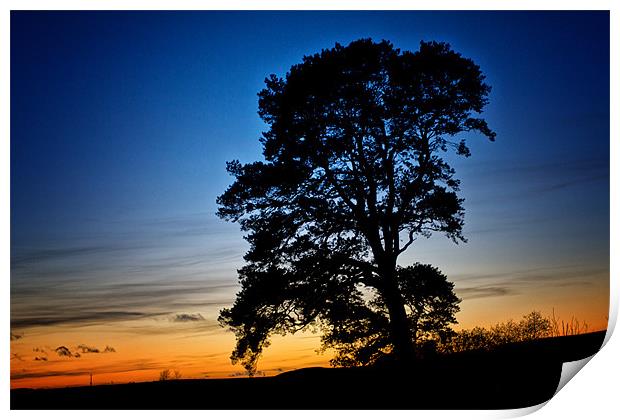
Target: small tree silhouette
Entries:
(165, 375)
(534, 326)
(168, 374)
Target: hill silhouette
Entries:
(511, 376)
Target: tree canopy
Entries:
(357, 328)
(352, 175)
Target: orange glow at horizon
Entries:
(142, 351)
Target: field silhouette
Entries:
(511, 376)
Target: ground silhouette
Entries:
(511, 376)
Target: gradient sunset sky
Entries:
(121, 124)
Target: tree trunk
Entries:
(400, 333)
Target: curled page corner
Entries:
(519, 412)
(611, 325)
(570, 369)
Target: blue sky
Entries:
(121, 124)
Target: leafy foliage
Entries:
(359, 330)
(352, 176)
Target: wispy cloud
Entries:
(82, 318)
(16, 356)
(548, 168)
(25, 258)
(85, 304)
(188, 318)
(512, 181)
(133, 365)
(91, 349)
(216, 240)
(87, 349)
(495, 284)
(47, 374)
(508, 223)
(147, 269)
(63, 351)
(41, 354)
(181, 330)
(477, 292)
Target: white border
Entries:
(592, 394)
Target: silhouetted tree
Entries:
(352, 175)
(165, 375)
(534, 325)
(430, 301)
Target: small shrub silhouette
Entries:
(532, 326)
(168, 374)
(165, 375)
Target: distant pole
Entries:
(91, 379)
